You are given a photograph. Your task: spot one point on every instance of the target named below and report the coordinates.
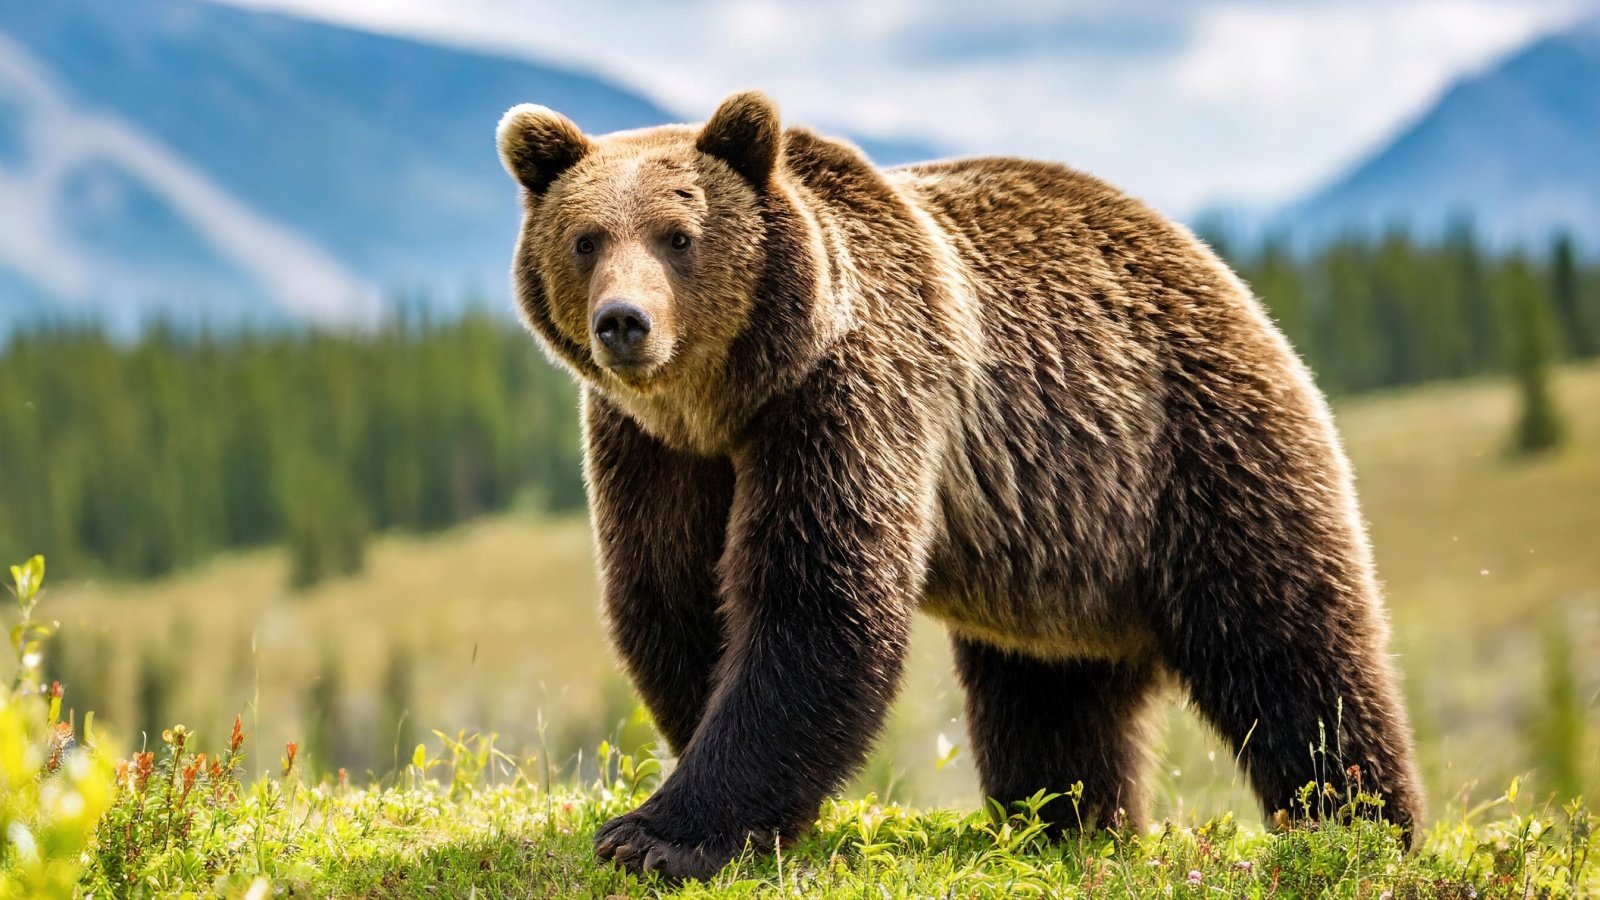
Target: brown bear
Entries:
(818, 396)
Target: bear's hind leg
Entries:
(1045, 725)
(1293, 673)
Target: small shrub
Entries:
(52, 790)
(165, 799)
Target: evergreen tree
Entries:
(1480, 315)
(1354, 348)
(327, 524)
(1279, 280)
(1582, 334)
(1539, 423)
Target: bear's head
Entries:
(643, 253)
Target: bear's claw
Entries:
(627, 842)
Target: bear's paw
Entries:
(638, 843)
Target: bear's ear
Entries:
(537, 144)
(744, 133)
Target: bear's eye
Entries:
(679, 241)
(584, 246)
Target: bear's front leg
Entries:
(824, 548)
(659, 518)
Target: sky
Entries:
(1249, 103)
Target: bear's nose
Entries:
(620, 325)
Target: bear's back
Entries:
(1078, 275)
(1030, 218)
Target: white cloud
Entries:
(1332, 81)
(1251, 100)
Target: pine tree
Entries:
(1480, 317)
(1539, 424)
(1353, 347)
(328, 528)
(1278, 277)
(1582, 340)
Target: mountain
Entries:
(1515, 148)
(222, 164)
(102, 221)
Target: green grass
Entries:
(461, 834)
(1481, 556)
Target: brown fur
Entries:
(993, 389)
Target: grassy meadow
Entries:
(490, 633)
(1487, 560)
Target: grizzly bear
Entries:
(818, 396)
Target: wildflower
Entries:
(292, 748)
(1243, 865)
(1195, 877)
(192, 771)
(177, 736)
(221, 780)
(60, 742)
(344, 777)
(237, 740)
(144, 764)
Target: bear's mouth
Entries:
(639, 372)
